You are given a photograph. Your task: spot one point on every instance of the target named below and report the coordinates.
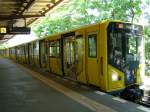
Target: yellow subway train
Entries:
(108, 55)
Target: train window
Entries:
(36, 48)
(58, 48)
(92, 45)
(54, 49)
(18, 51)
(13, 51)
(47, 46)
(22, 50)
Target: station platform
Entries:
(25, 89)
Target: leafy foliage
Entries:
(147, 45)
(146, 15)
(4, 45)
(82, 12)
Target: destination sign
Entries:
(15, 30)
(19, 30)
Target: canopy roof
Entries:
(23, 12)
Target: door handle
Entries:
(97, 60)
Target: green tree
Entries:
(147, 45)
(76, 13)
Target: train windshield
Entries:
(125, 48)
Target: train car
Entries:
(33, 53)
(53, 54)
(27, 53)
(108, 55)
(4, 52)
(12, 53)
(20, 54)
(43, 54)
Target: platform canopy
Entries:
(23, 12)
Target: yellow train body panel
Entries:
(36, 60)
(81, 66)
(55, 65)
(12, 56)
(113, 85)
(92, 65)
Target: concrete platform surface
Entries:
(21, 92)
(26, 90)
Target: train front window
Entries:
(132, 45)
(115, 49)
(125, 49)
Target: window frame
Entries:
(93, 35)
(56, 44)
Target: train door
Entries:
(42, 54)
(26, 54)
(47, 61)
(23, 58)
(69, 58)
(17, 54)
(80, 56)
(35, 53)
(30, 53)
(92, 58)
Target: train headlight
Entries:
(115, 76)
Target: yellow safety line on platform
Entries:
(89, 103)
